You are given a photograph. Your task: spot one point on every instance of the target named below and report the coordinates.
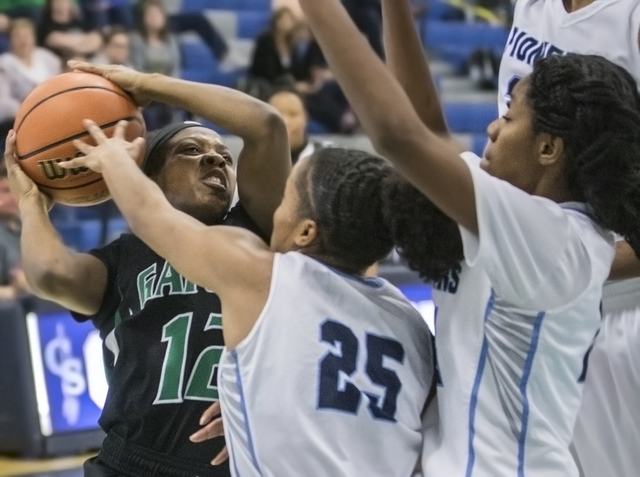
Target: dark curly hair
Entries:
(594, 107)
(364, 208)
(424, 236)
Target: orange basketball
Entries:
(51, 118)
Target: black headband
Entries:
(160, 138)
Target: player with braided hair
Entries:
(325, 371)
(515, 323)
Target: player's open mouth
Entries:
(215, 178)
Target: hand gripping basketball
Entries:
(21, 185)
(129, 80)
(109, 152)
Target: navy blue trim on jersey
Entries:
(578, 207)
(537, 325)
(243, 408)
(368, 281)
(476, 388)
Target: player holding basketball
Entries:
(514, 325)
(325, 372)
(607, 433)
(162, 333)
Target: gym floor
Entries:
(65, 467)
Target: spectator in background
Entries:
(183, 22)
(16, 9)
(272, 54)
(154, 49)
(286, 55)
(61, 30)
(291, 106)
(22, 68)
(13, 284)
(116, 48)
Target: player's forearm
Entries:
(407, 61)
(45, 258)
(143, 204)
(626, 263)
(233, 111)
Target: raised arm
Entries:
(265, 160)
(407, 61)
(428, 161)
(76, 281)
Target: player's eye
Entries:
(191, 150)
(228, 158)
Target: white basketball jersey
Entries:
(607, 432)
(605, 439)
(543, 27)
(331, 381)
(513, 326)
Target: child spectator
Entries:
(116, 48)
(291, 106)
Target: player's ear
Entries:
(306, 233)
(550, 149)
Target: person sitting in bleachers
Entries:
(12, 9)
(291, 107)
(272, 59)
(61, 28)
(286, 55)
(154, 49)
(22, 68)
(116, 48)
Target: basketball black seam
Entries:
(66, 91)
(75, 136)
(68, 188)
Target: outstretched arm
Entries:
(431, 163)
(265, 161)
(407, 61)
(77, 281)
(626, 263)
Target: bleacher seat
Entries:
(479, 143)
(470, 118)
(454, 42)
(439, 10)
(81, 235)
(196, 55)
(201, 5)
(256, 5)
(314, 127)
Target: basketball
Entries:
(51, 118)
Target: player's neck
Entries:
(574, 5)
